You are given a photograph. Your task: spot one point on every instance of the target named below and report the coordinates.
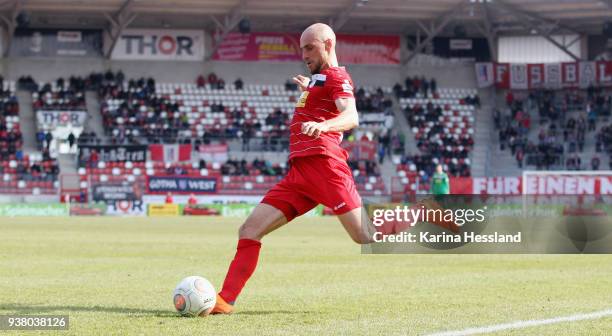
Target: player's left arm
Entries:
(347, 120)
(340, 88)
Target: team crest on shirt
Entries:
(301, 102)
(317, 80)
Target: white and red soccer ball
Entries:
(194, 296)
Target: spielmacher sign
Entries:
(34, 209)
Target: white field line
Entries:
(525, 324)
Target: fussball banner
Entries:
(519, 76)
(160, 44)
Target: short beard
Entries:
(316, 70)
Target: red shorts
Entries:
(313, 180)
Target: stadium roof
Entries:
(377, 16)
(504, 17)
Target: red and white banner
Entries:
(213, 153)
(535, 184)
(551, 75)
(170, 153)
(351, 49)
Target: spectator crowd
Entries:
(566, 120)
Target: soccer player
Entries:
(192, 201)
(439, 182)
(318, 172)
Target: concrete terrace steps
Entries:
(94, 120)
(482, 134)
(27, 121)
(401, 125)
(67, 163)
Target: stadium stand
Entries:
(10, 132)
(545, 129)
(441, 121)
(65, 95)
(143, 111)
(21, 173)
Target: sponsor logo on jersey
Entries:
(301, 102)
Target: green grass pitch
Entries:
(115, 276)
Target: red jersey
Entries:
(317, 103)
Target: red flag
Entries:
(170, 153)
(184, 152)
(156, 152)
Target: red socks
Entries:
(241, 269)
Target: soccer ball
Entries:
(194, 296)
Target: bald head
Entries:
(318, 43)
(318, 31)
